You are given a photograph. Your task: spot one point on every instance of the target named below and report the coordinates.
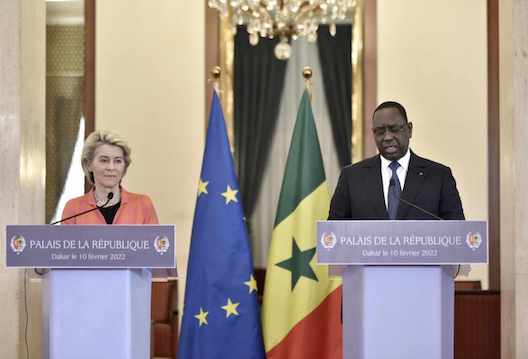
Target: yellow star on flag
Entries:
(252, 284)
(202, 187)
(202, 317)
(230, 308)
(230, 194)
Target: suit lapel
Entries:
(416, 174)
(374, 187)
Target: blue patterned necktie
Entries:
(394, 191)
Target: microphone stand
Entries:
(110, 195)
(109, 198)
(426, 212)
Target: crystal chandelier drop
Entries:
(285, 19)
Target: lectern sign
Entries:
(91, 246)
(402, 242)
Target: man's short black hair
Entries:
(392, 104)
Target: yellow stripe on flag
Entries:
(284, 308)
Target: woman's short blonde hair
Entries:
(94, 140)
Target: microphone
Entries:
(108, 199)
(42, 271)
(421, 209)
(392, 183)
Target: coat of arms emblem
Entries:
(474, 240)
(18, 244)
(161, 244)
(328, 240)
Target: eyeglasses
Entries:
(380, 131)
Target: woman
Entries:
(105, 160)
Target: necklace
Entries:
(100, 202)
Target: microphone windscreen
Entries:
(110, 195)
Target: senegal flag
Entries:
(302, 306)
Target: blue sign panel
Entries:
(402, 242)
(91, 246)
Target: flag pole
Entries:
(307, 74)
(221, 316)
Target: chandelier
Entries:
(284, 19)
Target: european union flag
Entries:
(221, 316)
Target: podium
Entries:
(96, 296)
(97, 313)
(398, 283)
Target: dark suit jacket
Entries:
(429, 185)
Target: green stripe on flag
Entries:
(304, 167)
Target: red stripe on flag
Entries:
(318, 336)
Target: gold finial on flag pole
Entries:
(307, 74)
(216, 71)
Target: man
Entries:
(379, 187)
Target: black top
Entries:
(110, 212)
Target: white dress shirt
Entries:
(401, 172)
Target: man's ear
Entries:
(410, 129)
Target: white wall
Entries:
(150, 89)
(22, 159)
(432, 58)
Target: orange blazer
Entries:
(134, 209)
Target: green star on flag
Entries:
(299, 264)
